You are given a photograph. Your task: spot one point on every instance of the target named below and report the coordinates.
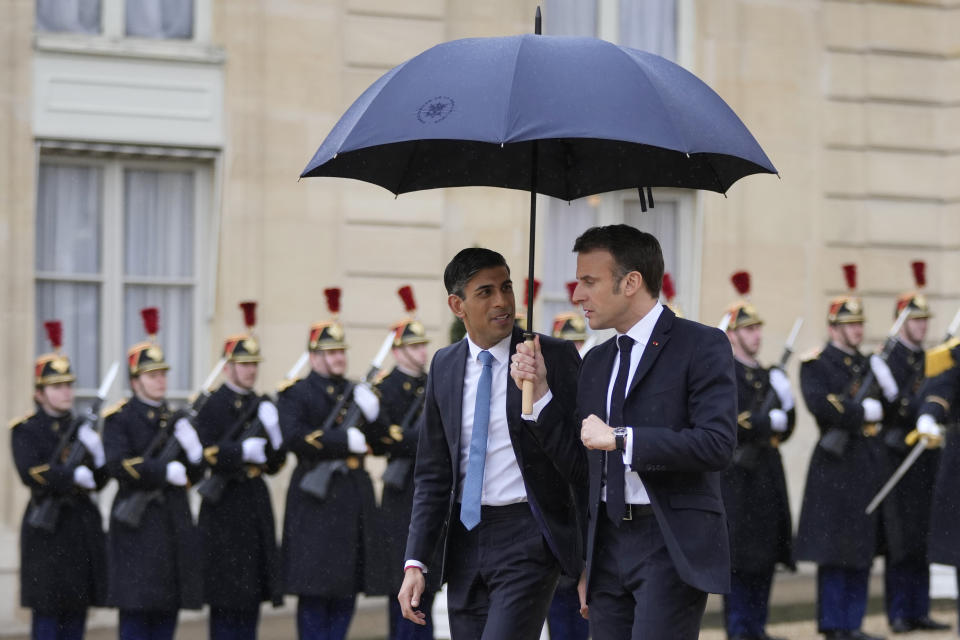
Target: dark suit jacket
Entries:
(682, 407)
(549, 453)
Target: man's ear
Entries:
(631, 283)
(455, 303)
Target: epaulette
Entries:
(16, 422)
(813, 354)
(286, 384)
(940, 358)
(114, 408)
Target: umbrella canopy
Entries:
(599, 117)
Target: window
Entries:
(166, 19)
(114, 236)
(653, 26)
(68, 16)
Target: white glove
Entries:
(778, 420)
(92, 443)
(927, 426)
(254, 450)
(356, 441)
(367, 400)
(781, 386)
(83, 478)
(185, 434)
(884, 377)
(872, 410)
(176, 474)
(267, 413)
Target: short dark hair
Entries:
(632, 250)
(467, 264)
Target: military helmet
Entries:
(570, 325)
(410, 330)
(521, 318)
(244, 347)
(742, 312)
(847, 309)
(915, 300)
(147, 356)
(328, 335)
(54, 367)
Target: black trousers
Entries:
(635, 592)
(500, 576)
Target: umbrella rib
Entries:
(406, 167)
(513, 82)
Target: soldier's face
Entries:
(748, 339)
(915, 330)
(488, 306)
(56, 398)
(242, 374)
(329, 363)
(849, 335)
(411, 356)
(152, 385)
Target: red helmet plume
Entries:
(333, 299)
(571, 286)
(850, 273)
(406, 295)
(151, 320)
(526, 289)
(919, 273)
(54, 333)
(669, 290)
(249, 313)
(741, 282)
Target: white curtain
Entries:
(565, 222)
(159, 244)
(67, 244)
(165, 19)
(650, 25)
(662, 222)
(570, 18)
(70, 16)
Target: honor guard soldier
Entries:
(328, 532)
(154, 554)
(846, 470)
(907, 572)
(940, 400)
(401, 402)
(63, 561)
(564, 621)
(240, 432)
(754, 486)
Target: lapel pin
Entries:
(655, 343)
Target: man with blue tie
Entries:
(656, 531)
(495, 492)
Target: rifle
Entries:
(130, 510)
(395, 475)
(45, 513)
(747, 456)
(317, 480)
(212, 487)
(834, 441)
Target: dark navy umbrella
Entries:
(562, 116)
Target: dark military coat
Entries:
(909, 501)
(399, 393)
(155, 567)
(64, 570)
(834, 529)
(754, 486)
(328, 546)
(941, 399)
(241, 560)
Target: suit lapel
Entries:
(658, 340)
(454, 422)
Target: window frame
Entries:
(112, 278)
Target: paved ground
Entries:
(792, 616)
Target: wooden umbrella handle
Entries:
(527, 398)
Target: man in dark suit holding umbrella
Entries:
(494, 491)
(657, 534)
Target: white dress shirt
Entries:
(635, 492)
(502, 481)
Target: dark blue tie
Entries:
(473, 483)
(615, 469)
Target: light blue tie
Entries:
(473, 483)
